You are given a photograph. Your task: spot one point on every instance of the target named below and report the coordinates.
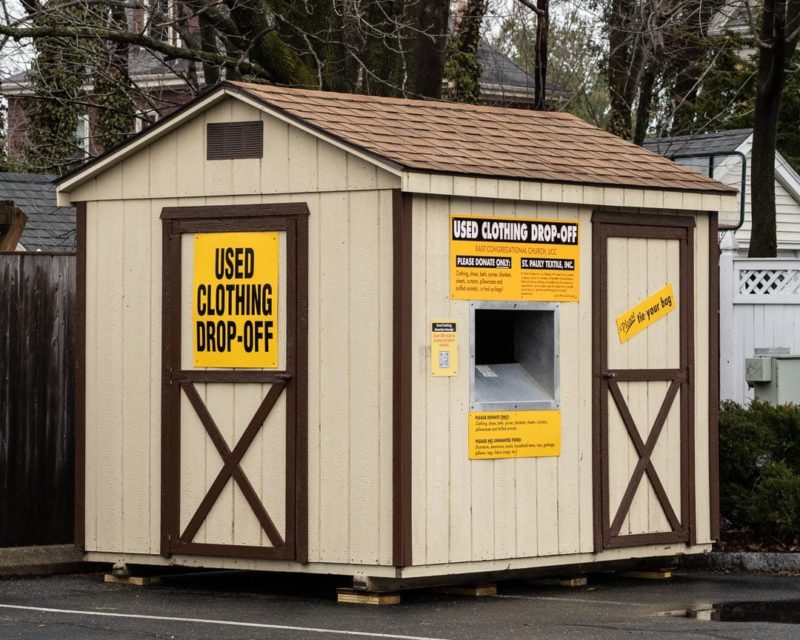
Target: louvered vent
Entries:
(229, 140)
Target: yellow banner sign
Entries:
(235, 300)
(514, 434)
(646, 313)
(444, 348)
(513, 259)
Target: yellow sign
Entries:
(514, 434)
(444, 348)
(646, 313)
(513, 259)
(235, 300)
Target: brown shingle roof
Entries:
(481, 141)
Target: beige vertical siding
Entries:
(469, 511)
(479, 510)
(350, 346)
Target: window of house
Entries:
(145, 118)
(82, 135)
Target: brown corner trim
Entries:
(713, 371)
(80, 379)
(401, 403)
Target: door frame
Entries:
(626, 225)
(291, 218)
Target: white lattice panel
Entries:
(776, 282)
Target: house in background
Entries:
(729, 152)
(759, 298)
(47, 227)
(503, 84)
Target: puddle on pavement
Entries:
(783, 611)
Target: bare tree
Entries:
(87, 54)
(777, 42)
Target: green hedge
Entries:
(759, 464)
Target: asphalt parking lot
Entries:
(222, 606)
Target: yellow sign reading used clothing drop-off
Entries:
(235, 300)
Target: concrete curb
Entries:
(743, 561)
(40, 560)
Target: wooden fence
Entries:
(759, 308)
(37, 322)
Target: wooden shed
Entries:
(392, 339)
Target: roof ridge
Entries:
(360, 97)
(685, 137)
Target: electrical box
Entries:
(776, 380)
(514, 355)
(758, 369)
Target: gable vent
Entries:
(229, 140)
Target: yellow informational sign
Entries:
(235, 300)
(444, 348)
(513, 259)
(646, 313)
(514, 434)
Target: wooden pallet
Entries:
(136, 581)
(472, 590)
(353, 596)
(575, 581)
(652, 574)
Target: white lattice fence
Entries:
(759, 308)
(766, 281)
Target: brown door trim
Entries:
(291, 218)
(606, 532)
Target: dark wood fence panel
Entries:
(37, 323)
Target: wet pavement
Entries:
(227, 605)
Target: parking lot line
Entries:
(582, 600)
(229, 623)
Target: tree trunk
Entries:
(775, 51)
(643, 105)
(625, 61)
(540, 60)
(431, 47)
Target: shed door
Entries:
(234, 447)
(643, 386)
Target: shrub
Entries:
(759, 455)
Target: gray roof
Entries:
(498, 70)
(49, 227)
(699, 143)
(732, 16)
